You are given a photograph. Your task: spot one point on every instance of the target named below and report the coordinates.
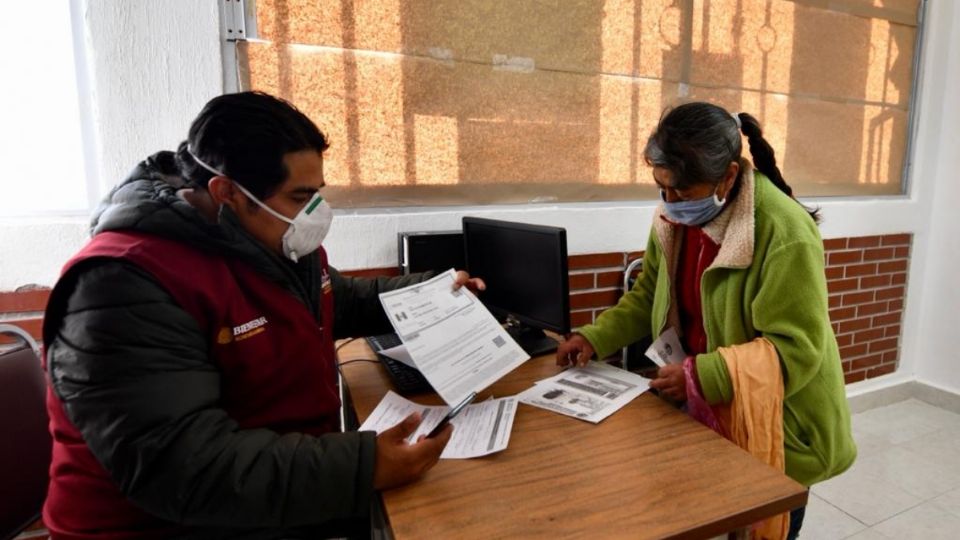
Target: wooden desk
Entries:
(648, 471)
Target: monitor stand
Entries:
(531, 339)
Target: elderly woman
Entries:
(735, 265)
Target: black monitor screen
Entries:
(436, 251)
(525, 269)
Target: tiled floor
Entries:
(905, 483)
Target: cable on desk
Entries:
(347, 342)
(340, 371)
(359, 360)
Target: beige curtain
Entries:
(452, 102)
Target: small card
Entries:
(666, 349)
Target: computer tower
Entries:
(429, 250)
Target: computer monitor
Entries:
(525, 269)
(436, 251)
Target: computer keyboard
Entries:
(406, 379)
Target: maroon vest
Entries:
(277, 371)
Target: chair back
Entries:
(25, 443)
(633, 357)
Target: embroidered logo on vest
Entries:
(241, 332)
(225, 336)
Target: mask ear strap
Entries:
(203, 163)
(716, 198)
(260, 203)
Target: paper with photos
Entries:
(590, 393)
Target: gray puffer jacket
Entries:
(113, 336)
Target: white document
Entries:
(479, 429)
(666, 349)
(452, 338)
(400, 354)
(590, 393)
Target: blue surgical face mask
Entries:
(692, 213)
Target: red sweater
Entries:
(696, 254)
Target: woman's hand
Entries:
(463, 279)
(575, 350)
(671, 382)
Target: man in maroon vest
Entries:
(190, 348)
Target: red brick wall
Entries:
(596, 283)
(23, 308)
(866, 278)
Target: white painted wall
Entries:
(152, 65)
(935, 279)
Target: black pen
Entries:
(450, 415)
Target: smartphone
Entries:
(451, 415)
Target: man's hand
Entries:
(399, 463)
(474, 284)
(575, 350)
(671, 382)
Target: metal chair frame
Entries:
(631, 268)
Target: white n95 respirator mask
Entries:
(307, 229)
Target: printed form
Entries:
(590, 393)
(480, 429)
(451, 337)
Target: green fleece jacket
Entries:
(767, 281)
